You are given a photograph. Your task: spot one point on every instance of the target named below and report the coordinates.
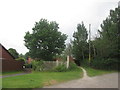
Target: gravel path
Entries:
(103, 81)
(3, 76)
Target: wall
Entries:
(6, 54)
(8, 61)
(12, 65)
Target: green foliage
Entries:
(107, 47)
(105, 64)
(68, 49)
(21, 59)
(107, 44)
(73, 66)
(80, 43)
(45, 41)
(95, 72)
(85, 63)
(13, 52)
(63, 68)
(37, 65)
(60, 68)
(28, 65)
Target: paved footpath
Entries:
(13, 75)
(103, 81)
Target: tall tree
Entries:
(45, 41)
(13, 52)
(108, 45)
(80, 42)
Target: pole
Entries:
(68, 61)
(89, 42)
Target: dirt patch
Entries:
(51, 82)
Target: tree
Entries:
(21, 57)
(13, 52)
(45, 41)
(107, 45)
(80, 42)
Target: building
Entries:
(8, 61)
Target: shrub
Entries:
(73, 66)
(85, 63)
(37, 65)
(60, 68)
(105, 64)
(21, 59)
(63, 68)
(28, 65)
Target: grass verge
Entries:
(40, 79)
(94, 72)
(13, 72)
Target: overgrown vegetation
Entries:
(63, 68)
(108, 64)
(39, 66)
(60, 68)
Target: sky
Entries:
(19, 16)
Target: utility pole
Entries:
(89, 42)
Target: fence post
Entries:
(67, 61)
(56, 62)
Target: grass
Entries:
(94, 72)
(10, 73)
(40, 79)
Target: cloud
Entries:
(19, 16)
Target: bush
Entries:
(37, 65)
(28, 65)
(63, 68)
(60, 68)
(107, 64)
(21, 59)
(73, 66)
(85, 63)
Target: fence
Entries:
(51, 64)
(12, 65)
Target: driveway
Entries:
(103, 81)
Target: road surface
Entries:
(103, 81)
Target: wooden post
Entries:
(89, 43)
(68, 61)
(56, 62)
